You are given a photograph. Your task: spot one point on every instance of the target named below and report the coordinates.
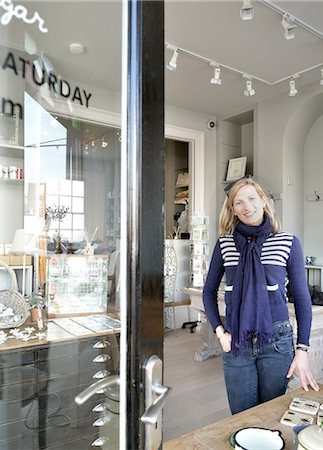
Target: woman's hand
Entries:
(225, 342)
(224, 338)
(301, 364)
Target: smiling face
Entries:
(248, 206)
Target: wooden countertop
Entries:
(58, 330)
(266, 415)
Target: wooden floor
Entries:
(198, 395)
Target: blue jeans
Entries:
(257, 376)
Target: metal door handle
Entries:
(93, 388)
(153, 412)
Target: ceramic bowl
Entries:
(258, 439)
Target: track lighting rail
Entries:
(296, 20)
(238, 71)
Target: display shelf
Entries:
(24, 276)
(77, 284)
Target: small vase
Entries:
(58, 248)
(34, 314)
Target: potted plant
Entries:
(35, 302)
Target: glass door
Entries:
(81, 225)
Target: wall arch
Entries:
(296, 132)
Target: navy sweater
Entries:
(282, 257)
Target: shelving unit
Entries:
(19, 270)
(77, 284)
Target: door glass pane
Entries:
(60, 146)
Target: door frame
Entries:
(196, 142)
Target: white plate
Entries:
(258, 439)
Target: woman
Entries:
(257, 338)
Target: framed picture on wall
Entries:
(236, 168)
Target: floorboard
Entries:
(198, 397)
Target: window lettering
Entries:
(20, 12)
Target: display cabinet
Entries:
(77, 284)
(41, 378)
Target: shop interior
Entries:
(241, 87)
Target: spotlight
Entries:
(249, 91)
(289, 26)
(104, 143)
(246, 11)
(321, 82)
(292, 88)
(217, 74)
(173, 62)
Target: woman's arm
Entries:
(303, 311)
(211, 287)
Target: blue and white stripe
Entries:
(275, 250)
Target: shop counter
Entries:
(266, 415)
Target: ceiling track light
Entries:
(217, 74)
(220, 66)
(246, 11)
(173, 62)
(292, 88)
(289, 26)
(249, 91)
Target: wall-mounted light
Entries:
(249, 91)
(216, 75)
(246, 11)
(173, 62)
(292, 88)
(289, 26)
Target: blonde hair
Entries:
(227, 219)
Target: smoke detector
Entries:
(76, 49)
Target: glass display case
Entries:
(77, 284)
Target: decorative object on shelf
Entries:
(236, 168)
(89, 249)
(25, 335)
(13, 307)
(183, 223)
(182, 179)
(57, 213)
(181, 198)
(36, 303)
(310, 260)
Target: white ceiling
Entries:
(211, 29)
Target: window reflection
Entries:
(72, 199)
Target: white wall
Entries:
(313, 181)
(282, 126)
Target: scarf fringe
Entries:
(263, 339)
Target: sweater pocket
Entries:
(276, 297)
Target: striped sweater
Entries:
(282, 257)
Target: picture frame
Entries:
(236, 168)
